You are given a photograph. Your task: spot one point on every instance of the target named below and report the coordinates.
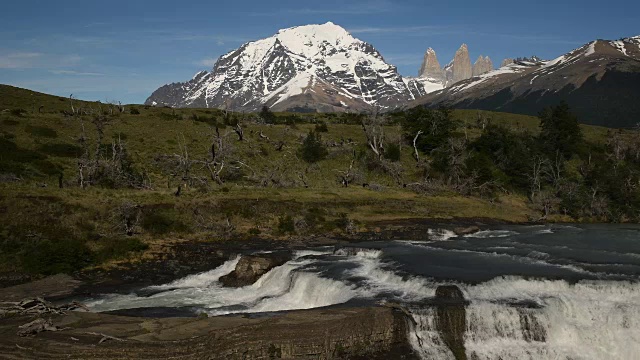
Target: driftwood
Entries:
(105, 337)
(37, 306)
(37, 326)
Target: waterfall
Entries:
(512, 318)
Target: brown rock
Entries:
(251, 267)
(431, 67)
(482, 66)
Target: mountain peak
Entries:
(431, 67)
(318, 66)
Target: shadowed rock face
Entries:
(452, 319)
(251, 267)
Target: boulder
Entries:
(251, 267)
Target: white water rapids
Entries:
(509, 317)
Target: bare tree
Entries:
(373, 128)
(239, 131)
(416, 155)
(73, 110)
(538, 166)
(346, 176)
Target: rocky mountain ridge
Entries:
(600, 81)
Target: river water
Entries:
(534, 292)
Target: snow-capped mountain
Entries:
(600, 81)
(313, 67)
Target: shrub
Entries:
(134, 111)
(10, 122)
(286, 225)
(342, 221)
(267, 115)
(312, 149)
(392, 152)
(322, 127)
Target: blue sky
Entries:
(123, 50)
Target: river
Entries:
(533, 292)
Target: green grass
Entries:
(39, 144)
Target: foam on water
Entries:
(203, 279)
(491, 234)
(378, 279)
(285, 287)
(441, 234)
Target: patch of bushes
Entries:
(315, 216)
(61, 150)
(17, 112)
(41, 131)
(62, 255)
(134, 111)
(160, 222)
(116, 248)
(10, 122)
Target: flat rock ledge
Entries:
(329, 333)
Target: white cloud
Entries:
(75, 73)
(418, 30)
(364, 8)
(19, 60)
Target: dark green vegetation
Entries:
(559, 169)
(85, 183)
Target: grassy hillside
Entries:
(50, 224)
